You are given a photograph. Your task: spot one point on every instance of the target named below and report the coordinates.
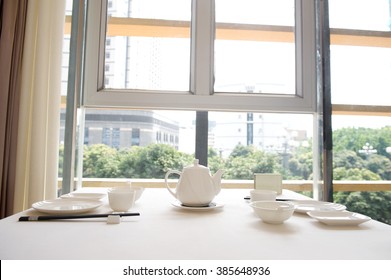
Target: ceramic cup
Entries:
(121, 199)
(259, 195)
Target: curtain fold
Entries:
(12, 26)
(39, 118)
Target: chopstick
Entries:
(277, 199)
(63, 217)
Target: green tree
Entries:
(152, 161)
(60, 160)
(380, 165)
(244, 161)
(300, 164)
(350, 164)
(358, 174)
(100, 161)
(215, 161)
(347, 159)
(353, 139)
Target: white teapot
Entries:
(196, 186)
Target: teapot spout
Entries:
(216, 179)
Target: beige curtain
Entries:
(39, 119)
(12, 28)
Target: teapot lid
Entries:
(196, 165)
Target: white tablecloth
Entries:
(163, 231)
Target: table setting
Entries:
(80, 205)
(196, 190)
(192, 219)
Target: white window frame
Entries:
(201, 96)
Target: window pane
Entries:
(240, 143)
(148, 45)
(136, 144)
(254, 47)
(362, 152)
(248, 143)
(360, 14)
(360, 75)
(360, 60)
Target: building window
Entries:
(116, 138)
(106, 136)
(135, 137)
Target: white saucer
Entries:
(66, 206)
(303, 206)
(339, 218)
(211, 206)
(84, 195)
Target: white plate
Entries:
(211, 206)
(66, 206)
(303, 206)
(339, 218)
(84, 195)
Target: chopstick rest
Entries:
(114, 217)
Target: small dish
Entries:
(66, 206)
(84, 196)
(303, 206)
(211, 206)
(339, 218)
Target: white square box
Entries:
(268, 181)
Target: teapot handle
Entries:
(166, 177)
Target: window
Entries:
(255, 46)
(161, 66)
(194, 58)
(360, 58)
(353, 62)
(149, 56)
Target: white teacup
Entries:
(121, 199)
(259, 195)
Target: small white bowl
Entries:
(273, 212)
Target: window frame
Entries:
(201, 95)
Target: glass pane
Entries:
(360, 75)
(360, 14)
(362, 152)
(148, 45)
(246, 143)
(254, 47)
(136, 144)
(360, 60)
